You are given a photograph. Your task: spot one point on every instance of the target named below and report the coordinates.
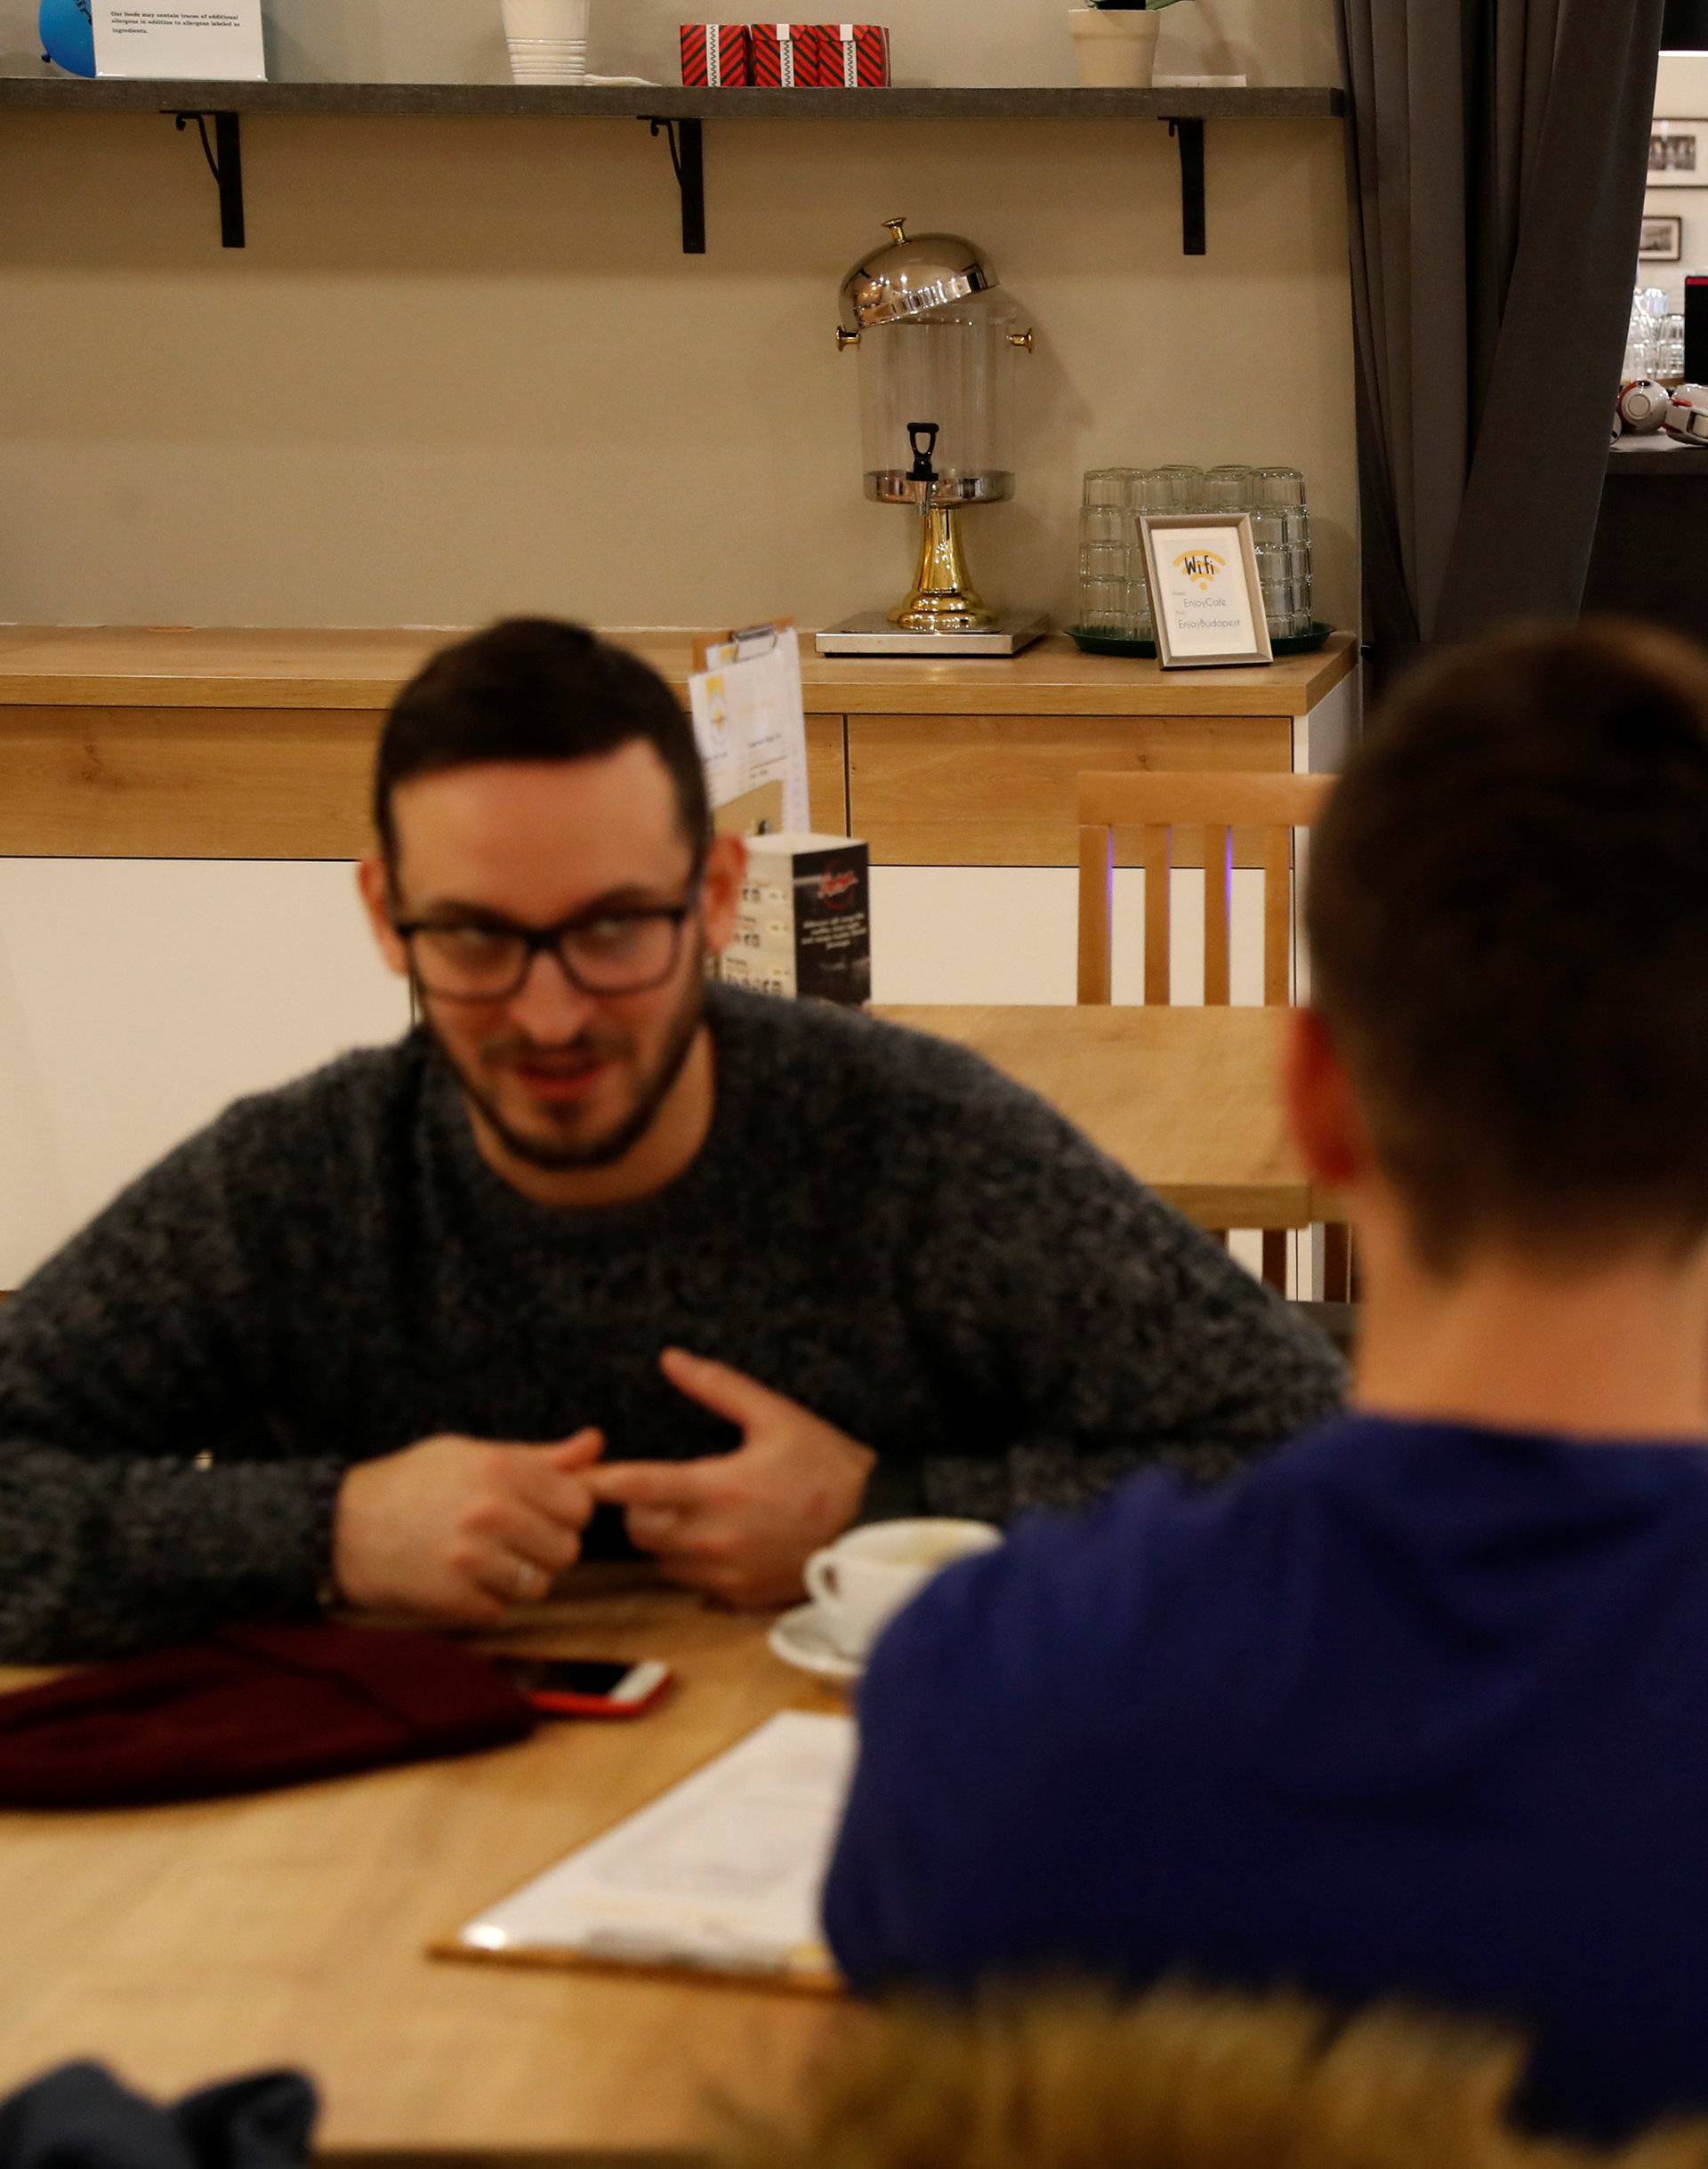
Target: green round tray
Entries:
(1115, 643)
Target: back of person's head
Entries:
(1072, 2079)
(532, 689)
(1508, 916)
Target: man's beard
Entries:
(654, 1089)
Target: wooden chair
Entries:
(1160, 803)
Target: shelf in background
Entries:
(513, 102)
(1657, 459)
(679, 114)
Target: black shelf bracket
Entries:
(224, 158)
(1190, 136)
(688, 161)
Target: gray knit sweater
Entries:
(879, 1225)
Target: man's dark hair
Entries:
(532, 689)
(1508, 920)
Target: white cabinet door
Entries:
(979, 934)
(139, 997)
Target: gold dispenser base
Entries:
(943, 616)
(944, 598)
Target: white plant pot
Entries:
(1115, 48)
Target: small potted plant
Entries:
(1115, 42)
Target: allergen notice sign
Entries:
(218, 41)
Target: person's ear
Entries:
(1323, 1111)
(726, 867)
(374, 882)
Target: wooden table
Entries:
(1189, 1100)
(179, 1944)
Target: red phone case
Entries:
(558, 1703)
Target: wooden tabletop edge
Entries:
(1051, 680)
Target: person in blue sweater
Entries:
(1418, 1706)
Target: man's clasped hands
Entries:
(463, 1528)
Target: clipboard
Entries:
(758, 812)
(748, 712)
(740, 644)
(717, 1878)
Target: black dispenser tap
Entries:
(923, 469)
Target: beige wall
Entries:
(463, 366)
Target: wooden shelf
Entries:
(513, 102)
(680, 113)
(1657, 459)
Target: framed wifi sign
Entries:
(1206, 597)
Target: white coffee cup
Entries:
(547, 39)
(861, 1581)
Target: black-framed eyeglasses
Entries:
(620, 949)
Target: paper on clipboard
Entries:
(722, 1875)
(749, 721)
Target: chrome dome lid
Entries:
(909, 275)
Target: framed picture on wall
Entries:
(1662, 240)
(1678, 154)
(1206, 594)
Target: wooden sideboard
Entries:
(163, 742)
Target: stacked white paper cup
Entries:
(547, 40)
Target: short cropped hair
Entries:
(534, 689)
(1508, 921)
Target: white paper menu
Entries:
(216, 41)
(749, 723)
(722, 1874)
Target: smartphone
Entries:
(589, 1687)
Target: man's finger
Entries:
(549, 1540)
(686, 1543)
(682, 1485)
(560, 1493)
(728, 1392)
(723, 1584)
(579, 1452)
(508, 1577)
(655, 1529)
(468, 1605)
(550, 1476)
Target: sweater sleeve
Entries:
(1000, 1815)
(144, 1495)
(1088, 1329)
(956, 1789)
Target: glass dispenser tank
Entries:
(937, 341)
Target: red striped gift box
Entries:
(716, 56)
(790, 55)
(858, 55)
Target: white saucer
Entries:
(799, 1638)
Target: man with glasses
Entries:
(600, 1255)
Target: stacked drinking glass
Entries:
(1281, 535)
(1114, 597)
(1655, 343)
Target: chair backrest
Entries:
(1158, 802)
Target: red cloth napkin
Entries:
(250, 1708)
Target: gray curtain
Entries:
(1498, 153)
